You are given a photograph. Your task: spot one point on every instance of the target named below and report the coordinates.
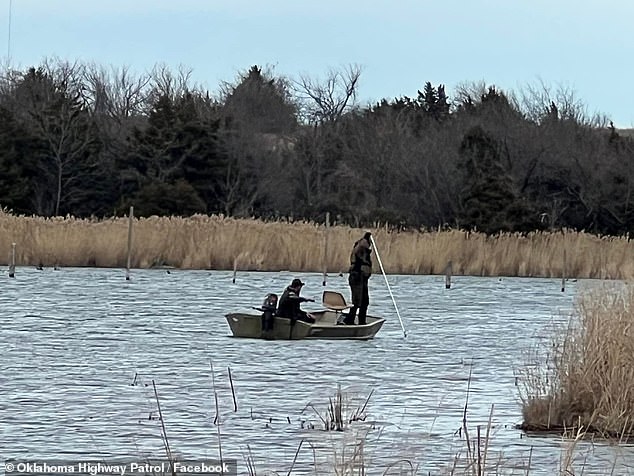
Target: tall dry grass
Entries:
(584, 380)
(216, 242)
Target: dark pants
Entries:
(360, 298)
(268, 317)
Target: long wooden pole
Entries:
(378, 258)
(127, 268)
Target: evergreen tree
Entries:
(259, 122)
(442, 104)
(434, 101)
(260, 103)
(428, 98)
(48, 105)
(16, 168)
(176, 153)
(490, 203)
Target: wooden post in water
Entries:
(448, 275)
(563, 273)
(127, 268)
(12, 262)
(238, 261)
(325, 263)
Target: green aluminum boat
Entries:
(326, 325)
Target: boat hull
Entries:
(250, 326)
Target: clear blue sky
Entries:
(584, 46)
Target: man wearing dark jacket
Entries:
(360, 272)
(290, 302)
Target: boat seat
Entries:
(334, 301)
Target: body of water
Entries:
(81, 348)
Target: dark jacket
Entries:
(360, 261)
(289, 305)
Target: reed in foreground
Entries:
(221, 243)
(358, 447)
(583, 381)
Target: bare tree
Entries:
(164, 82)
(115, 92)
(322, 105)
(539, 101)
(468, 92)
(327, 100)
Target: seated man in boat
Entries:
(289, 305)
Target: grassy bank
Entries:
(584, 378)
(213, 242)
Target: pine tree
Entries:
(260, 103)
(490, 203)
(175, 164)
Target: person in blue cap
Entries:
(290, 302)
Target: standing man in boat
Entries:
(290, 302)
(360, 272)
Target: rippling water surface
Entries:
(81, 347)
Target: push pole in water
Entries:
(378, 258)
(127, 268)
(12, 265)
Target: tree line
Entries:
(87, 140)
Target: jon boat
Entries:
(251, 325)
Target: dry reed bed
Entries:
(583, 378)
(216, 242)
